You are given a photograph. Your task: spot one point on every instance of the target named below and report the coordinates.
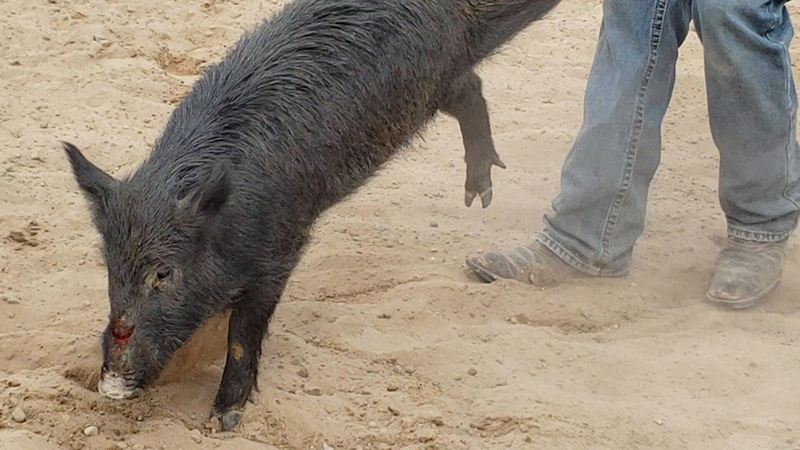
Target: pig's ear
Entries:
(210, 193)
(94, 183)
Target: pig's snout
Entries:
(113, 382)
(115, 386)
(121, 332)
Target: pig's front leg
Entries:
(464, 101)
(246, 330)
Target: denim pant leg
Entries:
(600, 211)
(752, 111)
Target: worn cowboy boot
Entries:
(534, 264)
(745, 273)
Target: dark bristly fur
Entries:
(300, 113)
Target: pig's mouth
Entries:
(117, 387)
(116, 381)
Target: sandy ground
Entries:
(383, 340)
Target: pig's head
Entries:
(163, 281)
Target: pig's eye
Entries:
(162, 279)
(163, 274)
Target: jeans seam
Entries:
(575, 262)
(758, 236)
(787, 66)
(637, 125)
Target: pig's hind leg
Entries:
(464, 100)
(246, 330)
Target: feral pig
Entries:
(299, 114)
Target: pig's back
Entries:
(320, 95)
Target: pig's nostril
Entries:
(121, 333)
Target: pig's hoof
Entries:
(253, 397)
(469, 196)
(228, 420)
(478, 184)
(486, 197)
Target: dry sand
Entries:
(381, 319)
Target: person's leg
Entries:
(752, 111)
(600, 211)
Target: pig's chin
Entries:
(116, 387)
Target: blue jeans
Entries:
(752, 104)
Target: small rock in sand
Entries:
(91, 431)
(34, 228)
(18, 415)
(196, 436)
(18, 236)
(303, 372)
(472, 371)
(316, 392)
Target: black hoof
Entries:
(228, 421)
